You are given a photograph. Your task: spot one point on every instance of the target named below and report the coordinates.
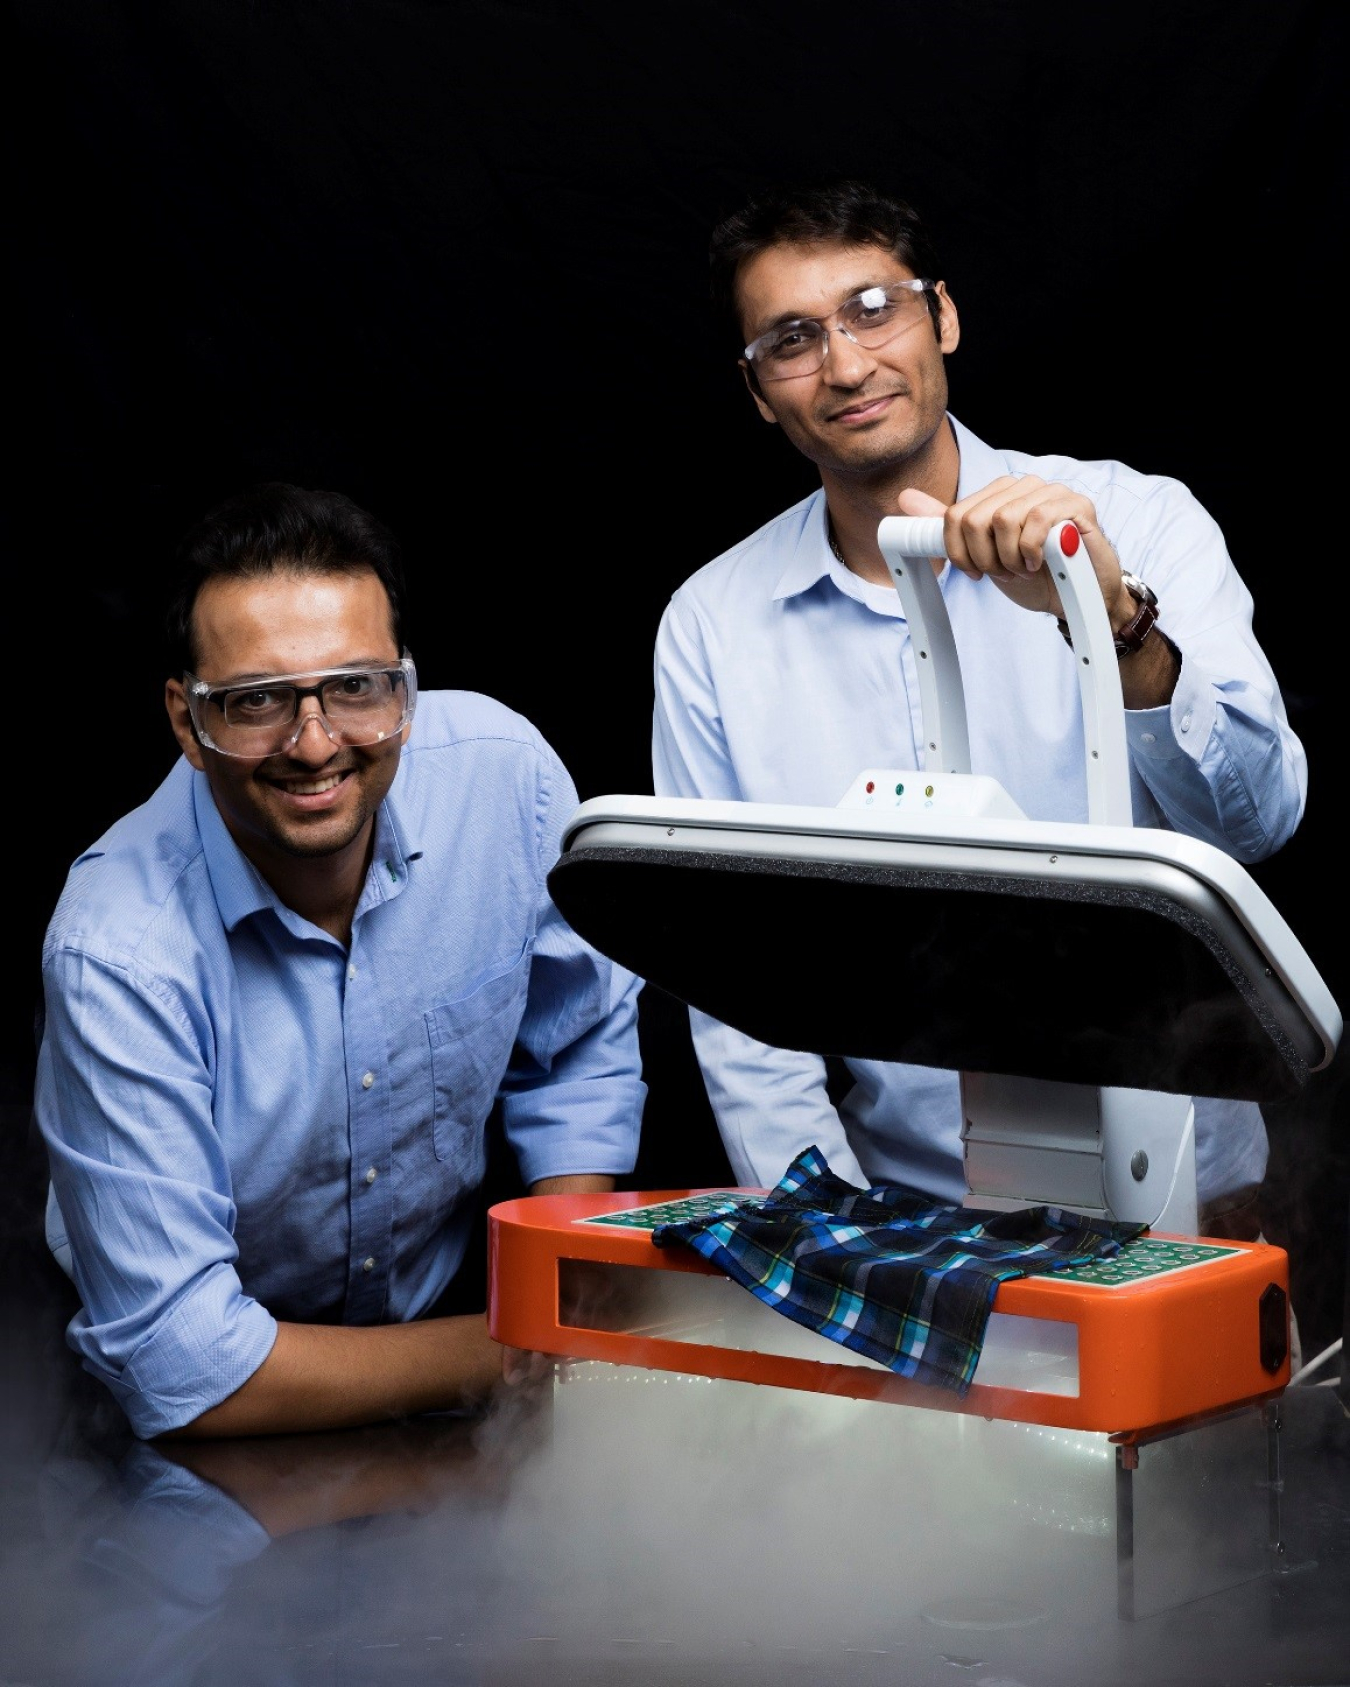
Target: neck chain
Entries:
(835, 546)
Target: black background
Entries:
(311, 241)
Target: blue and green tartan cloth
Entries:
(889, 1271)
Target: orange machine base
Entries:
(1152, 1354)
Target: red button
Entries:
(1068, 539)
(871, 786)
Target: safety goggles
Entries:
(871, 319)
(263, 717)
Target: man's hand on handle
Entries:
(999, 534)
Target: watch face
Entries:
(1134, 584)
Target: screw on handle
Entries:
(1094, 653)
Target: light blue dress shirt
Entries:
(247, 1122)
(780, 675)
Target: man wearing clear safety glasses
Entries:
(283, 997)
(784, 665)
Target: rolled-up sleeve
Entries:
(573, 1094)
(123, 1100)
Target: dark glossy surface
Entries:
(1155, 983)
(637, 1529)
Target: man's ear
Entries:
(752, 384)
(948, 322)
(180, 719)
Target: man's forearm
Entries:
(579, 1183)
(322, 1376)
(325, 1376)
(1148, 676)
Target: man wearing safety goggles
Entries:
(283, 997)
(784, 666)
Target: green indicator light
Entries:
(899, 790)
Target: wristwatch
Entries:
(1132, 635)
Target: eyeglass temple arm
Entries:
(907, 542)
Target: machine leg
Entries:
(1274, 1482)
(1127, 1462)
(1343, 1387)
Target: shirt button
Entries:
(351, 972)
(368, 1264)
(371, 1175)
(1149, 738)
(367, 1079)
(1186, 723)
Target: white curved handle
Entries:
(914, 535)
(906, 543)
(1094, 655)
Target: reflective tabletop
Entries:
(617, 1526)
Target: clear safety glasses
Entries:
(263, 717)
(871, 318)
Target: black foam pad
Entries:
(1035, 978)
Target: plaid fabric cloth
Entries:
(888, 1271)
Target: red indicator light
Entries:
(1068, 539)
(871, 786)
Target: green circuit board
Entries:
(1145, 1257)
(711, 1204)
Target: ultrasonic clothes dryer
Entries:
(1133, 968)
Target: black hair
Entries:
(275, 528)
(842, 213)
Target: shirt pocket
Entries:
(471, 1041)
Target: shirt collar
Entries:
(387, 875)
(240, 889)
(811, 557)
(237, 885)
(397, 839)
(980, 463)
(813, 560)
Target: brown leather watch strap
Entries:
(1132, 635)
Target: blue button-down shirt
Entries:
(247, 1121)
(780, 675)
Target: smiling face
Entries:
(863, 413)
(316, 799)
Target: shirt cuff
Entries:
(578, 1135)
(210, 1345)
(1181, 727)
